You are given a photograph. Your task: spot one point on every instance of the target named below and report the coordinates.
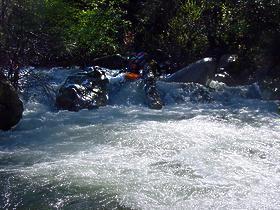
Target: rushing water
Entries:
(193, 154)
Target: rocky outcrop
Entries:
(85, 90)
(11, 107)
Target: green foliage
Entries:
(75, 31)
(96, 30)
(187, 30)
(242, 27)
(56, 30)
(86, 28)
(21, 29)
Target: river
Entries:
(218, 152)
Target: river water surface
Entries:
(193, 154)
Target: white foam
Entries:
(224, 154)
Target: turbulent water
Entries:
(206, 149)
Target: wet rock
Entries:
(201, 72)
(83, 90)
(152, 95)
(11, 107)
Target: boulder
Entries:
(83, 90)
(200, 72)
(11, 107)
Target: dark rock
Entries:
(11, 107)
(111, 62)
(152, 95)
(83, 90)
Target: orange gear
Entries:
(132, 76)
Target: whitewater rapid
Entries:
(193, 154)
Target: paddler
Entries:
(135, 67)
(140, 65)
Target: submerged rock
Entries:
(83, 90)
(11, 107)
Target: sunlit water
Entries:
(193, 154)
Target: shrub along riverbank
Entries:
(60, 32)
